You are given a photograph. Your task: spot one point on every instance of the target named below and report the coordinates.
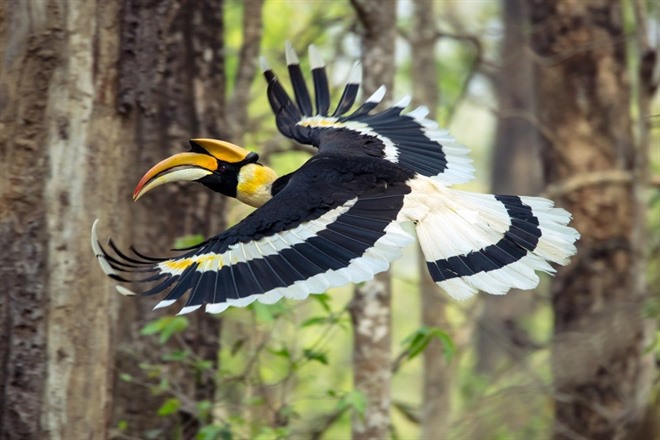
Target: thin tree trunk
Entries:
(371, 305)
(602, 374)
(437, 375)
(247, 67)
(516, 170)
(60, 129)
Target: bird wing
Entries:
(410, 140)
(308, 238)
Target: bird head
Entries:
(221, 166)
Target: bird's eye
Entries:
(221, 168)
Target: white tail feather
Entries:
(484, 242)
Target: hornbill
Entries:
(338, 218)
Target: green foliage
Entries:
(268, 433)
(170, 406)
(300, 351)
(165, 327)
(420, 339)
(354, 400)
(313, 355)
(187, 241)
(214, 432)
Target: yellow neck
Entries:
(254, 184)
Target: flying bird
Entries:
(338, 218)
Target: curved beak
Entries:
(201, 161)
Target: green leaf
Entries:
(420, 339)
(262, 312)
(214, 432)
(203, 364)
(282, 352)
(186, 241)
(153, 327)
(170, 406)
(268, 433)
(449, 348)
(417, 344)
(126, 377)
(315, 356)
(316, 320)
(204, 407)
(165, 327)
(324, 300)
(176, 356)
(175, 324)
(122, 425)
(355, 400)
(236, 346)
(267, 313)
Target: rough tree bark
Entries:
(92, 95)
(602, 375)
(59, 130)
(247, 66)
(516, 169)
(172, 82)
(370, 309)
(437, 375)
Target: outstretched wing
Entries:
(410, 140)
(298, 243)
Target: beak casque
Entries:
(190, 166)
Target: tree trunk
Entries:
(247, 65)
(437, 374)
(516, 169)
(175, 89)
(602, 376)
(59, 130)
(92, 96)
(371, 306)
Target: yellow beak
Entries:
(190, 166)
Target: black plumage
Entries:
(337, 219)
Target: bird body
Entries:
(338, 218)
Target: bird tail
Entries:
(491, 242)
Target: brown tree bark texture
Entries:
(516, 169)
(172, 83)
(59, 130)
(371, 306)
(92, 95)
(436, 381)
(602, 376)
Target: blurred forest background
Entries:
(555, 97)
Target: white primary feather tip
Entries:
(290, 53)
(164, 303)
(216, 308)
(315, 58)
(404, 102)
(188, 309)
(263, 63)
(419, 113)
(378, 95)
(355, 74)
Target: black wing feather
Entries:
(314, 243)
